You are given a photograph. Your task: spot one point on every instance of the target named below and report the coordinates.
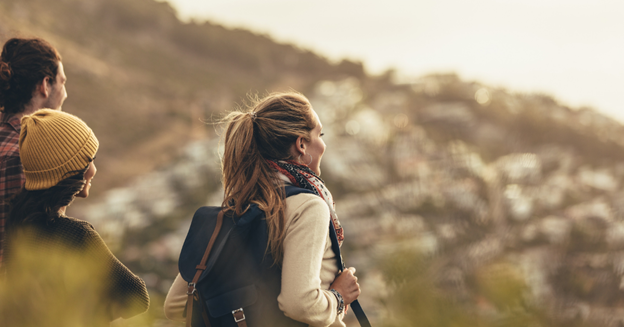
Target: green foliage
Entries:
(502, 285)
(414, 300)
(498, 292)
(53, 286)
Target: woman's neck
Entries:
(62, 211)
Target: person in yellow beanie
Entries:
(85, 281)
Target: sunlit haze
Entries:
(569, 49)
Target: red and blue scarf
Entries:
(302, 176)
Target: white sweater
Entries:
(309, 267)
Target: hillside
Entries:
(143, 80)
(460, 186)
(463, 204)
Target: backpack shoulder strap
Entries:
(294, 190)
(200, 268)
(355, 305)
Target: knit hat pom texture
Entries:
(52, 144)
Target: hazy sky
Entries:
(570, 49)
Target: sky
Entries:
(572, 50)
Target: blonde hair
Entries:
(266, 131)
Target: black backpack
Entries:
(232, 278)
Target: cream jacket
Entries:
(309, 267)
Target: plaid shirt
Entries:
(11, 171)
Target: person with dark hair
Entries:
(31, 78)
(277, 143)
(57, 151)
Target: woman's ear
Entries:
(301, 147)
(298, 148)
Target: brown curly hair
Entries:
(24, 63)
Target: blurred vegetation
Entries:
(498, 291)
(51, 286)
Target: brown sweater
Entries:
(90, 278)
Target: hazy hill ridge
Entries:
(142, 79)
(476, 180)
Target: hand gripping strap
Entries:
(355, 305)
(200, 268)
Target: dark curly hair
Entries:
(24, 63)
(41, 207)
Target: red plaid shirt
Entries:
(11, 171)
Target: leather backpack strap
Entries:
(239, 317)
(359, 314)
(200, 269)
(189, 308)
(355, 305)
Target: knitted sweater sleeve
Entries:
(126, 291)
(302, 297)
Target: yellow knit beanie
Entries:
(53, 143)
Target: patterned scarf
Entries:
(302, 176)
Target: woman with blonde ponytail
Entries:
(275, 143)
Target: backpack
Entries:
(232, 279)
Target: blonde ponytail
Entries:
(266, 132)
